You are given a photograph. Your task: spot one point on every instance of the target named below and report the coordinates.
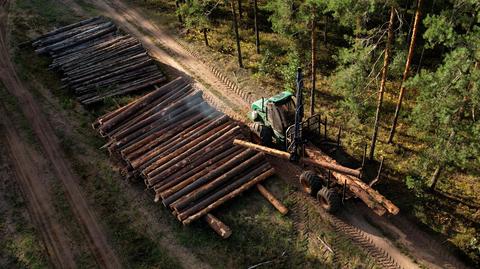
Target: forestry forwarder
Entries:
(277, 120)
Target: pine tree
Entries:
(449, 96)
(407, 69)
(257, 35)
(195, 15)
(381, 91)
(237, 36)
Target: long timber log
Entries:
(236, 183)
(156, 170)
(210, 176)
(142, 102)
(198, 169)
(203, 190)
(287, 156)
(64, 29)
(229, 196)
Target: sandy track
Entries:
(51, 146)
(32, 184)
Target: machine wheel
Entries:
(329, 199)
(311, 182)
(266, 135)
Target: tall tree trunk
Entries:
(407, 70)
(358, 29)
(237, 36)
(205, 36)
(325, 29)
(386, 61)
(441, 166)
(240, 9)
(177, 5)
(257, 36)
(314, 61)
(435, 177)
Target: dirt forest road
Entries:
(32, 184)
(50, 145)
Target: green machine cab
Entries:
(272, 116)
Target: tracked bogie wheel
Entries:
(264, 132)
(266, 135)
(329, 199)
(311, 182)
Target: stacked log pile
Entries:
(182, 147)
(97, 62)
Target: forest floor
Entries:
(133, 224)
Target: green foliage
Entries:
(289, 71)
(351, 80)
(283, 16)
(267, 64)
(195, 13)
(416, 184)
(348, 12)
(448, 99)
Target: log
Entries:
(124, 91)
(183, 142)
(352, 181)
(80, 38)
(124, 135)
(155, 122)
(199, 192)
(162, 163)
(229, 196)
(158, 127)
(218, 226)
(147, 111)
(210, 176)
(236, 183)
(65, 28)
(179, 165)
(197, 170)
(162, 137)
(272, 199)
(215, 154)
(160, 177)
(287, 156)
(115, 50)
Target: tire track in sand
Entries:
(50, 144)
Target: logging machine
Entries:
(278, 122)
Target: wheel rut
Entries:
(50, 145)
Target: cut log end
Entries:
(218, 226)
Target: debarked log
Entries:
(228, 188)
(287, 156)
(229, 196)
